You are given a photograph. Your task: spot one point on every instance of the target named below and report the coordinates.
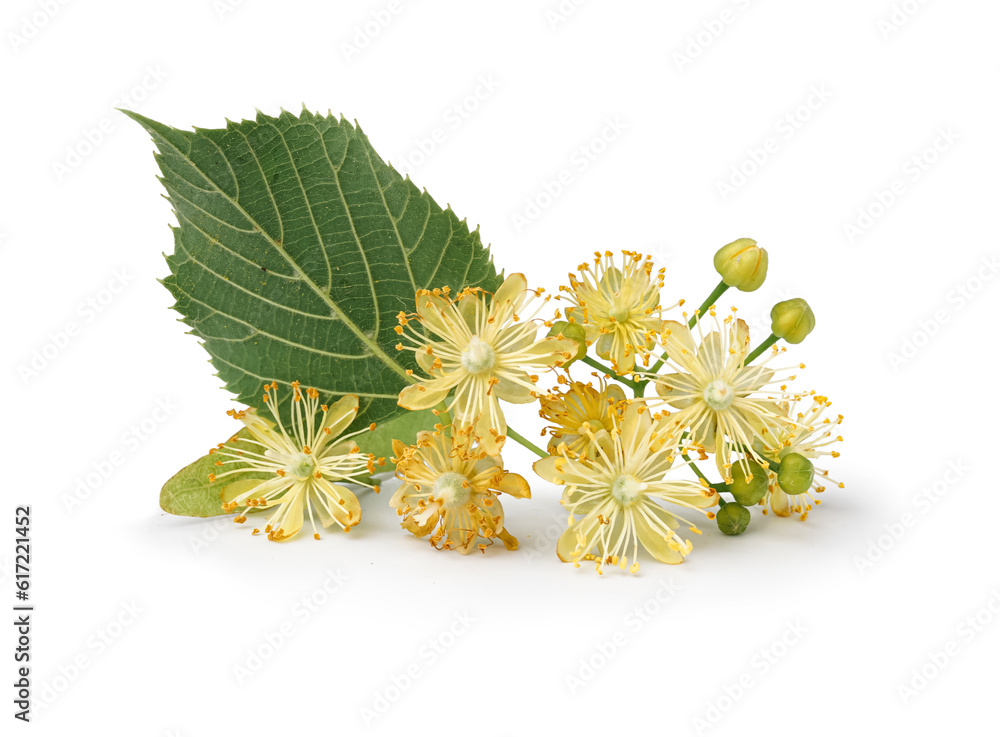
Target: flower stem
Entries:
(634, 385)
(719, 290)
(655, 367)
(444, 417)
(697, 471)
(774, 466)
(771, 340)
(513, 434)
(703, 477)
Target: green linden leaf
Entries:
(297, 246)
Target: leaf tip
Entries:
(148, 123)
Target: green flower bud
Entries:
(733, 519)
(742, 264)
(796, 474)
(573, 331)
(792, 320)
(750, 492)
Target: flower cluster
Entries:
(578, 413)
(618, 457)
(305, 465)
(478, 351)
(618, 307)
(449, 490)
(723, 404)
(629, 466)
(619, 490)
(811, 437)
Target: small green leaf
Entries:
(189, 493)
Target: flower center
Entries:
(718, 394)
(627, 490)
(619, 313)
(301, 466)
(478, 356)
(451, 489)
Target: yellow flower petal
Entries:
(436, 312)
(577, 540)
(510, 294)
(238, 488)
(550, 468)
(678, 336)
(515, 485)
(342, 414)
(515, 392)
(655, 543)
(338, 504)
(425, 395)
(781, 503)
(288, 517)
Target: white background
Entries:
(794, 627)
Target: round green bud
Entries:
(573, 331)
(792, 320)
(796, 474)
(742, 264)
(749, 492)
(733, 519)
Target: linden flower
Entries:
(619, 308)
(306, 465)
(723, 404)
(581, 408)
(619, 491)
(812, 438)
(481, 353)
(450, 490)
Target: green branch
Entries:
(634, 385)
(513, 434)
